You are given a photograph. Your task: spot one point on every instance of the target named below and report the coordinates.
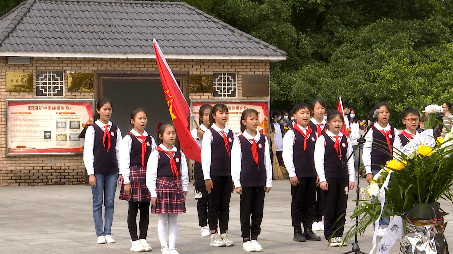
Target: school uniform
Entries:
(251, 169)
(332, 165)
(319, 128)
(135, 151)
(167, 179)
(216, 165)
(405, 137)
(298, 151)
(101, 154)
(201, 194)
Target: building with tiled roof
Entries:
(57, 57)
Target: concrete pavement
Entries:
(58, 219)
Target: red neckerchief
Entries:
(407, 135)
(254, 150)
(143, 141)
(337, 147)
(296, 127)
(107, 138)
(174, 169)
(387, 138)
(318, 129)
(225, 140)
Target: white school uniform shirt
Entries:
(355, 133)
(206, 149)
(367, 147)
(236, 159)
(88, 153)
(313, 120)
(288, 144)
(151, 170)
(195, 134)
(320, 149)
(278, 137)
(126, 145)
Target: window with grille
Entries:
(224, 84)
(49, 84)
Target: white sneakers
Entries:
(251, 246)
(317, 226)
(204, 231)
(109, 239)
(165, 250)
(173, 251)
(137, 246)
(101, 239)
(145, 245)
(381, 231)
(337, 242)
(216, 241)
(224, 238)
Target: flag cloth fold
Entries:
(177, 106)
(344, 130)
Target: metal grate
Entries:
(225, 84)
(49, 84)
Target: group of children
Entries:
(314, 151)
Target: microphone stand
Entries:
(361, 141)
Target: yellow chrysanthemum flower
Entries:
(424, 150)
(396, 165)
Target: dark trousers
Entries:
(335, 200)
(303, 203)
(202, 205)
(319, 208)
(219, 203)
(144, 219)
(279, 155)
(252, 204)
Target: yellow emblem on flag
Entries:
(170, 105)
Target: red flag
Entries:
(344, 130)
(177, 106)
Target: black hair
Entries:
(300, 106)
(99, 105)
(448, 105)
(380, 104)
(275, 113)
(134, 113)
(346, 105)
(409, 111)
(217, 107)
(317, 100)
(201, 112)
(244, 116)
(160, 131)
(355, 119)
(422, 118)
(334, 113)
(284, 112)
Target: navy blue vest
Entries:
(220, 159)
(380, 152)
(335, 167)
(136, 150)
(163, 166)
(404, 140)
(252, 175)
(104, 162)
(314, 128)
(304, 161)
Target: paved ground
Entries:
(58, 219)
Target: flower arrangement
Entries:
(420, 175)
(432, 111)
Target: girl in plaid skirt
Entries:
(135, 151)
(167, 179)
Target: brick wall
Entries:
(48, 169)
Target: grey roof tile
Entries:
(123, 27)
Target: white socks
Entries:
(167, 226)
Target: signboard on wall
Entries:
(46, 126)
(235, 109)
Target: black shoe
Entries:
(299, 237)
(309, 235)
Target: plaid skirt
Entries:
(170, 196)
(139, 191)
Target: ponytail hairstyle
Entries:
(246, 114)
(134, 114)
(332, 114)
(160, 131)
(218, 107)
(99, 105)
(201, 113)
